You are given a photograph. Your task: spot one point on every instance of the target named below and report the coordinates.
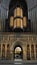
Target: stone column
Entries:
(24, 52)
(30, 51)
(5, 50)
(11, 52)
(35, 52)
(12, 55)
(1, 50)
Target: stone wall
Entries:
(18, 39)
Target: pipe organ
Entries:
(18, 17)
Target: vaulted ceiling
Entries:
(32, 11)
(30, 3)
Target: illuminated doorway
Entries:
(18, 52)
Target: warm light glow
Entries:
(18, 12)
(18, 23)
(18, 15)
(15, 23)
(18, 50)
(24, 21)
(11, 21)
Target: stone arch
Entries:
(18, 55)
(17, 44)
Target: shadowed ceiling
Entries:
(30, 3)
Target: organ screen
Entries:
(18, 12)
(18, 23)
(11, 21)
(24, 21)
(15, 23)
(18, 19)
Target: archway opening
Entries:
(18, 52)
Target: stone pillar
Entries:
(11, 52)
(12, 55)
(1, 50)
(24, 52)
(30, 52)
(5, 50)
(35, 52)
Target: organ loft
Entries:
(18, 17)
(17, 42)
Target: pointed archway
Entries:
(18, 52)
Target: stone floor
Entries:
(17, 62)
